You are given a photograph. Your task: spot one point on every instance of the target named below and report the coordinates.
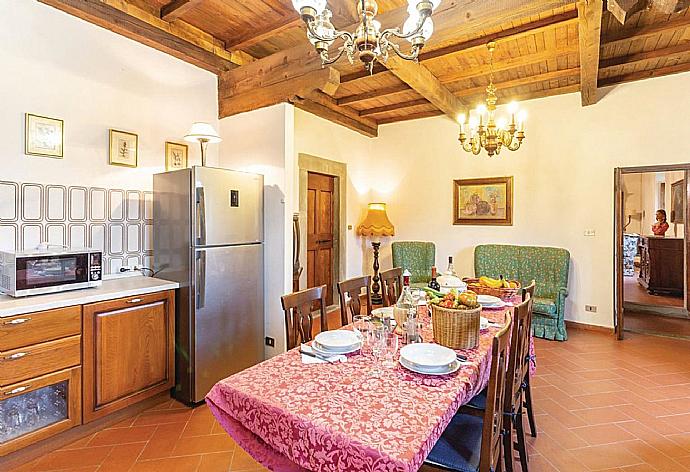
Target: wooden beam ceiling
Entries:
(178, 39)
(645, 74)
(253, 37)
(622, 10)
(177, 8)
(326, 107)
(646, 31)
(589, 34)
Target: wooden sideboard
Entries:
(661, 264)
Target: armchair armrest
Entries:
(562, 294)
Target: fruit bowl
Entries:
(504, 293)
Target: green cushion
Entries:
(545, 306)
(415, 256)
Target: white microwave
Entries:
(50, 270)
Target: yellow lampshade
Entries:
(376, 222)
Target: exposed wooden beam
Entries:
(177, 8)
(247, 98)
(422, 81)
(394, 106)
(589, 32)
(361, 97)
(645, 74)
(411, 116)
(253, 37)
(178, 39)
(327, 108)
(676, 52)
(646, 31)
(669, 6)
(519, 82)
(622, 10)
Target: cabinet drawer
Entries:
(31, 328)
(39, 359)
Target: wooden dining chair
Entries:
(299, 314)
(391, 280)
(513, 404)
(456, 450)
(350, 291)
(529, 290)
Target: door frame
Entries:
(619, 217)
(338, 170)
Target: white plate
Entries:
(483, 323)
(385, 312)
(449, 369)
(489, 300)
(337, 340)
(319, 349)
(427, 354)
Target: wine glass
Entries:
(376, 341)
(361, 324)
(390, 348)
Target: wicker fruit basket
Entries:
(456, 329)
(504, 294)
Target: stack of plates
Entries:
(384, 312)
(339, 341)
(429, 359)
(488, 301)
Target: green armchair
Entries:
(547, 265)
(417, 257)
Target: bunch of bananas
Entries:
(496, 283)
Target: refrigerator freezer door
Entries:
(228, 207)
(228, 322)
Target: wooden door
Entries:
(128, 351)
(320, 232)
(619, 212)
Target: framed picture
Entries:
(123, 148)
(678, 202)
(44, 136)
(483, 201)
(175, 156)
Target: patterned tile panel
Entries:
(118, 221)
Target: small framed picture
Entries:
(175, 156)
(123, 148)
(487, 201)
(44, 136)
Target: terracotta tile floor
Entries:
(601, 405)
(634, 292)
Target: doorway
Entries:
(651, 250)
(320, 227)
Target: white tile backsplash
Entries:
(119, 222)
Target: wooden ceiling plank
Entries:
(361, 97)
(253, 37)
(250, 98)
(521, 81)
(589, 34)
(394, 106)
(646, 31)
(673, 53)
(142, 26)
(177, 8)
(645, 74)
(668, 7)
(411, 116)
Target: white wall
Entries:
(563, 178)
(261, 141)
(56, 65)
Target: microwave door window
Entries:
(49, 271)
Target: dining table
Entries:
(292, 416)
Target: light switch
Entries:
(590, 232)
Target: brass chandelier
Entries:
(483, 131)
(368, 41)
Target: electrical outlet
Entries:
(270, 341)
(591, 308)
(590, 232)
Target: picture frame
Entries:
(176, 156)
(483, 201)
(44, 136)
(123, 148)
(678, 202)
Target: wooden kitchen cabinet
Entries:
(128, 352)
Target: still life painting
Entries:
(485, 201)
(44, 136)
(123, 148)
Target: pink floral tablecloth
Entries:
(338, 417)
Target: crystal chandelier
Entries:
(368, 40)
(487, 132)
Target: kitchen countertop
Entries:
(109, 290)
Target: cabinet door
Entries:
(128, 352)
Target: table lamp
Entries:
(203, 133)
(375, 225)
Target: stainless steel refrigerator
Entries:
(208, 236)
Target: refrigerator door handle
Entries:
(200, 216)
(200, 279)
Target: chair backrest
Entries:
(352, 289)
(519, 351)
(391, 280)
(415, 256)
(491, 450)
(529, 290)
(299, 314)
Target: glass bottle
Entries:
(434, 283)
(451, 268)
(405, 306)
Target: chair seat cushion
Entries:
(545, 306)
(478, 402)
(459, 447)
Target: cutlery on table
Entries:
(316, 356)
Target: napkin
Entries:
(313, 360)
